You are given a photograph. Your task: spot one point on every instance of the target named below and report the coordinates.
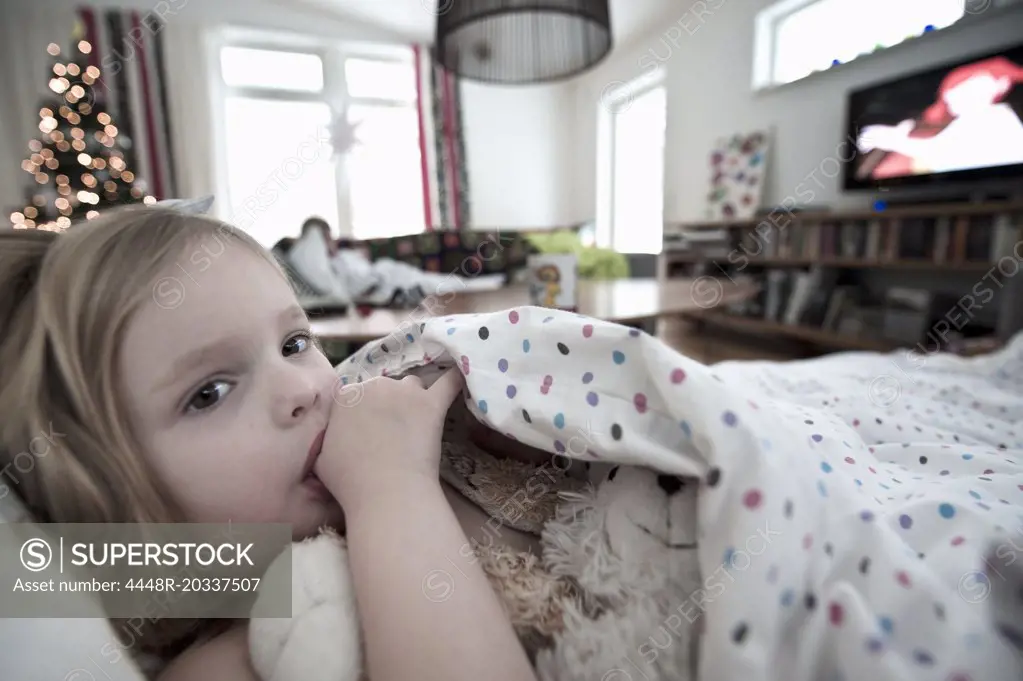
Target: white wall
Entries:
(518, 143)
(708, 61)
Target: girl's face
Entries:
(975, 93)
(227, 393)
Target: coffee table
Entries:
(625, 301)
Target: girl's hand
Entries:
(886, 137)
(382, 432)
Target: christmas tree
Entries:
(78, 162)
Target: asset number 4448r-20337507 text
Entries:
(228, 584)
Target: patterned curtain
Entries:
(127, 48)
(442, 145)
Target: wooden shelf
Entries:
(847, 263)
(808, 218)
(820, 337)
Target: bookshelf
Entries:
(816, 270)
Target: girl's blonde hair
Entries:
(65, 301)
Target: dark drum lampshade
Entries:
(521, 41)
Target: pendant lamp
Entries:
(521, 41)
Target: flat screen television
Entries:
(962, 121)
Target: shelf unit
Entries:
(943, 238)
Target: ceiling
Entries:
(414, 19)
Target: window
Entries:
(796, 38)
(277, 165)
(630, 183)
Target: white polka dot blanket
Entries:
(860, 515)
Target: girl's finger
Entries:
(446, 388)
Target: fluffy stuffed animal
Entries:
(620, 558)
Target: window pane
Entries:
(385, 172)
(281, 168)
(247, 67)
(637, 216)
(813, 37)
(381, 79)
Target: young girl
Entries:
(171, 354)
(968, 127)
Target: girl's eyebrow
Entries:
(180, 368)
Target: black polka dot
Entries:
(879, 421)
(828, 548)
(612, 473)
(713, 477)
(808, 422)
(422, 327)
(810, 601)
(484, 332)
(383, 346)
(921, 555)
(1002, 447)
(739, 633)
(864, 565)
(923, 459)
(525, 415)
(562, 348)
(788, 508)
(923, 657)
(939, 611)
(616, 431)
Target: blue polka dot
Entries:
(975, 495)
(727, 558)
(503, 365)
(587, 377)
(967, 456)
(887, 626)
(859, 483)
(729, 418)
(591, 399)
(825, 466)
(547, 319)
(559, 447)
(816, 437)
(766, 444)
(483, 406)
(905, 521)
(686, 429)
(821, 488)
(511, 390)
(559, 421)
(787, 596)
(947, 510)
(451, 330)
(981, 504)
(525, 345)
(618, 356)
(875, 645)
(633, 332)
(344, 380)
(866, 516)
(883, 486)
(409, 337)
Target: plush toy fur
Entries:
(619, 559)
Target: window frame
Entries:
(766, 27)
(333, 54)
(611, 102)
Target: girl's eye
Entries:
(296, 344)
(209, 395)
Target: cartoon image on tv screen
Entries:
(974, 121)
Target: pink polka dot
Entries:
(835, 614)
(956, 541)
(426, 358)
(465, 365)
(640, 401)
(513, 317)
(545, 389)
(807, 541)
(871, 469)
(548, 379)
(677, 376)
(856, 423)
(753, 404)
(752, 499)
(903, 578)
(587, 330)
(383, 372)
(849, 459)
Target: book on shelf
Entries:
(1006, 236)
(979, 238)
(943, 239)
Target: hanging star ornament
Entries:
(343, 137)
